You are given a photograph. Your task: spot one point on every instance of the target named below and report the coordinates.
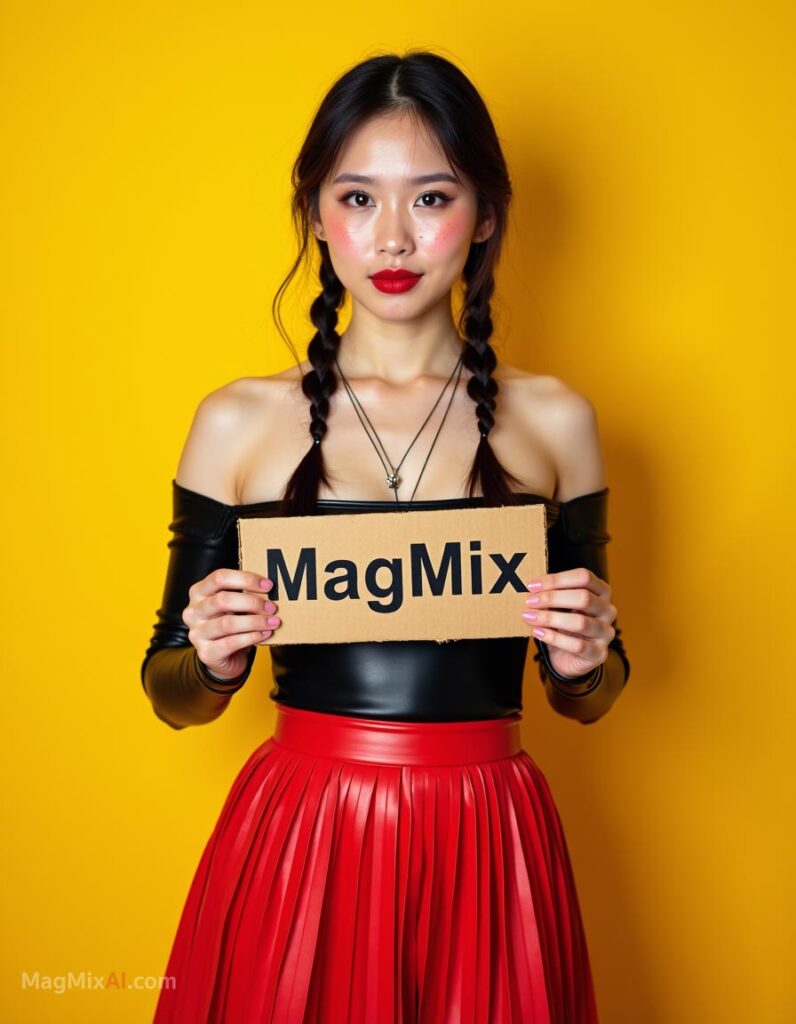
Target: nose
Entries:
(393, 234)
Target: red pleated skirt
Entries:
(365, 871)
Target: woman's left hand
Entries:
(571, 612)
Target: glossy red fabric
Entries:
(380, 872)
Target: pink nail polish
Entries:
(539, 633)
(535, 585)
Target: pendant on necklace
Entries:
(393, 480)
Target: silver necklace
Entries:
(393, 479)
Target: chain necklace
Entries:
(393, 479)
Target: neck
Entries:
(400, 351)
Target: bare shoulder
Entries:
(221, 432)
(564, 420)
(542, 397)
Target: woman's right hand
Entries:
(223, 622)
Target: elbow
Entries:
(172, 725)
(595, 716)
(155, 710)
(171, 681)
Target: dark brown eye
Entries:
(348, 195)
(436, 195)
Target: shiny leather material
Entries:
(580, 538)
(376, 741)
(421, 680)
(383, 873)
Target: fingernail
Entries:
(532, 600)
(272, 620)
(534, 585)
(530, 616)
(539, 633)
(265, 584)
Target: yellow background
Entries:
(145, 183)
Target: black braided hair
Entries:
(480, 359)
(318, 384)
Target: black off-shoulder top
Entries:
(421, 680)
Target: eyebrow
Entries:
(424, 179)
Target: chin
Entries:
(394, 309)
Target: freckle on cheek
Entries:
(448, 236)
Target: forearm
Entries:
(180, 689)
(579, 538)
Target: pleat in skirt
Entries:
(365, 871)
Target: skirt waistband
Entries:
(382, 741)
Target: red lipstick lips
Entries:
(394, 281)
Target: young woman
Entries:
(391, 853)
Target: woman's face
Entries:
(393, 221)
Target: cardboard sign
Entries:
(438, 574)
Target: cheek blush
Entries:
(338, 231)
(448, 237)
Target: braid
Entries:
(480, 359)
(479, 356)
(318, 384)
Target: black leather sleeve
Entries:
(181, 688)
(579, 538)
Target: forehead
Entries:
(391, 149)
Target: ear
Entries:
(485, 228)
(315, 223)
